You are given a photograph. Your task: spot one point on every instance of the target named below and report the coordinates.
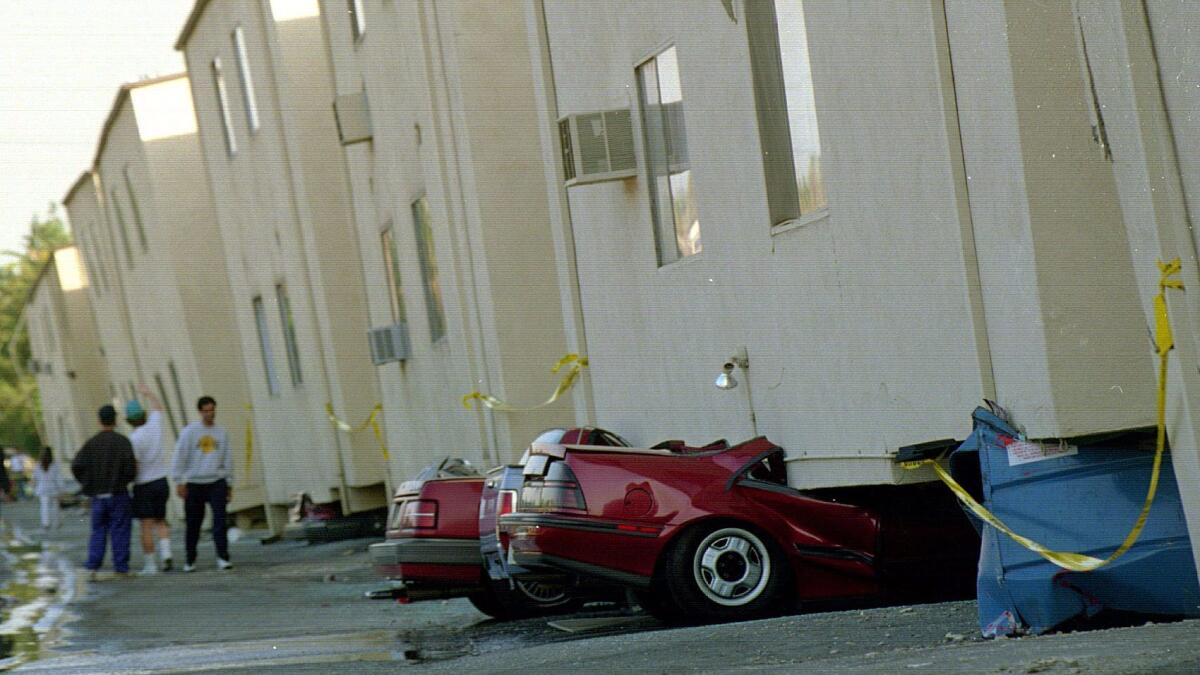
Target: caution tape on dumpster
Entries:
(1164, 342)
(371, 421)
(576, 362)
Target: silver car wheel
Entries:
(543, 594)
(732, 567)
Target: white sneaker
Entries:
(149, 569)
(164, 553)
(224, 564)
(188, 567)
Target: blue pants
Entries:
(112, 518)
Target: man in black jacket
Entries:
(105, 466)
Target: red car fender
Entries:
(831, 547)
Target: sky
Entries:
(61, 62)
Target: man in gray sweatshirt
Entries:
(202, 470)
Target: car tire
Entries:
(523, 599)
(726, 572)
(658, 604)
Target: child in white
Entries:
(48, 485)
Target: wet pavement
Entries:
(294, 608)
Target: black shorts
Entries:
(150, 499)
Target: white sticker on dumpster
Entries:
(1024, 452)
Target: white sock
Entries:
(164, 549)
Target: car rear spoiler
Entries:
(559, 450)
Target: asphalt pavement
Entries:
(295, 608)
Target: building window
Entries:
(289, 334)
(243, 66)
(119, 216)
(391, 263)
(672, 195)
(358, 19)
(162, 396)
(90, 244)
(48, 329)
(264, 343)
(429, 270)
(137, 212)
(178, 392)
(218, 76)
(787, 113)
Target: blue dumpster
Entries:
(1078, 498)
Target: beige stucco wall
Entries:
(284, 219)
(71, 376)
(1064, 315)
(1145, 77)
(97, 242)
(451, 98)
(861, 328)
(177, 290)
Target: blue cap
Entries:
(134, 410)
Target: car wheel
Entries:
(486, 602)
(523, 599)
(726, 573)
(658, 604)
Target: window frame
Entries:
(266, 351)
(288, 322)
(122, 228)
(178, 391)
(162, 395)
(391, 272)
(137, 211)
(356, 10)
(219, 87)
(660, 228)
(241, 58)
(435, 309)
(776, 134)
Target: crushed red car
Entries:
(715, 533)
(434, 546)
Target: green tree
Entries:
(19, 403)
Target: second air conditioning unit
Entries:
(389, 343)
(597, 147)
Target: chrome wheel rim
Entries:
(545, 594)
(732, 567)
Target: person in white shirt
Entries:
(48, 485)
(150, 488)
(203, 470)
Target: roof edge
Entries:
(85, 176)
(122, 95)
(190, 24)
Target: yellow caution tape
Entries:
(371, 421)
(1077, 562)
(249, 437)
(577, 363)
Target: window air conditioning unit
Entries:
(389, 343)
(597, 147)
(353, 118)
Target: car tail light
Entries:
(557, 490)
(419, 514)
(395, 515)
(506, 502)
